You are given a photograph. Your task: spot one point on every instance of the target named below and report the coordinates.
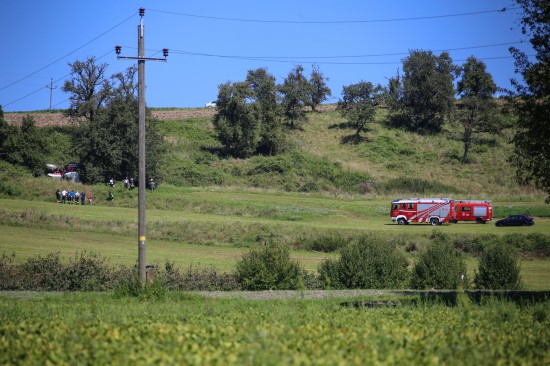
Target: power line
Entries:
(68, 54)
(54, 82)
(342, 56)
(501, 10)
(263, 59)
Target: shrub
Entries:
(133, 288)
(368, 263)
(44, 273)
(192, 174)
(469, 244)
(9, 190)
(498, 270)
(440, 266)
(9, 273)
(197, 279)
(539, 245)
(87, 272)
(325, 243)
(414, 185)
(268, 268)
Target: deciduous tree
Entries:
(295, 96)
(237, 129)
(23, 145)
(532, 102)
(249, 118)
(428, 92)
(262, 92)
(477, 110)
(89, 88)
(318, 88)
(109, 146)
(358, 104)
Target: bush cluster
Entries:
(370, 262)
(440, 266)
(90, 272)
(269, 268)
(498, 270)
(364, 262)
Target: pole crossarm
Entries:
(141, 58)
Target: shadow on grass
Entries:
(454, 298)
(354, 139)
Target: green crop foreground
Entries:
(188, 329)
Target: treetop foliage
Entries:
(358, 104)
(251, 113)
(531, 147)
(24, 145)
(89, 88)
(427, 96)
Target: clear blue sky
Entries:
(212, 42)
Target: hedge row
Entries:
(368, 263)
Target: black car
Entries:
(516, 220)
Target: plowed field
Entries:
(59, 119)
(44, 119)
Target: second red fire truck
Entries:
(473, 210)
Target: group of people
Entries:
(129, 183)
(73, 197)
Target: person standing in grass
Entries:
(64, 196)
(71, 197)
(58, 196)
(90, 197)
(82, 198)
(77, 198)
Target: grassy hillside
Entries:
(326, 157)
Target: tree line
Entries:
(253, 115)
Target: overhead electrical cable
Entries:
(501, 10)
(342, 56)
(68, 54)
(54, 82)
(264, 59)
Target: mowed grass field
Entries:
(215, 227)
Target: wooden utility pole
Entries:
(142, 229)
(51, 92)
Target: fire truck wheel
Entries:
(434, 221)
(479, 220)
(401, 221)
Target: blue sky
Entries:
(212, 42)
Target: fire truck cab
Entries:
(473, 210)
(434, 211)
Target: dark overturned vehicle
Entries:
(516, 220)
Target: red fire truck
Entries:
(473, 210)
(433, 211)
